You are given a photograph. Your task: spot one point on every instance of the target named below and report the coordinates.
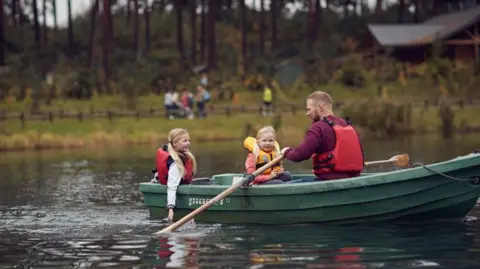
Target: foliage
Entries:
(381, 116)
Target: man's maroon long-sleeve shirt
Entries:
(320, 138)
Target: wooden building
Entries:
(459, 32)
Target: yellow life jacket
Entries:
(262, 156)
(267, 95)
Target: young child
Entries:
(262, 150)
(175, 165)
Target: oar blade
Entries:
(402, 160)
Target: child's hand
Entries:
(280, 171)
(170, 214)
(273, 174)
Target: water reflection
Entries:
(33, 252)
(394, 246)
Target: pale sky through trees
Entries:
(80, 6)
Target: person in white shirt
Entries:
(168, 101)
(175, 165)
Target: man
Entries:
(331, 142)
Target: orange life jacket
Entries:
(162, 167)
(262, 157)
(347, 155)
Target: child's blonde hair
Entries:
(173, 136)
(260, 133)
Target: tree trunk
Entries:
(106, 41)
(401, 10)
(262, 28)
(136, 26)
(179, 24)
(416, 18)
(45, 27)
(93, 27)
(273, 13)
(243, 21)
(129, 11)
(203, 32)
(55, 21)
(318, 20)
(378, 6)
(147, 26)
(110, 19)
(2, 36)
(14, 11)
(193, 30)
(21, 20)
(36, 26)
(212, 49)
(434, 8)
(310, 23)
(345, 9)
(70, 29)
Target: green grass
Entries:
(66, 133)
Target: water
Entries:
(81, 209)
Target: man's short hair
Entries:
(321, 97)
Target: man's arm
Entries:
(305, 150)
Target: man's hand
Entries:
(284, 150)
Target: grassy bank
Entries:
(70, 133)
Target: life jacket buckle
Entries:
(329, 122)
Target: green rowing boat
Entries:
(443, 190)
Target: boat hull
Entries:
(409, 194)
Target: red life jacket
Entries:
(162, 167)
(347, 155)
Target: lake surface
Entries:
(82, 209)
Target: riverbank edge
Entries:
(32, 140)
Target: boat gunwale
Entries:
(367, 180)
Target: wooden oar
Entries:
(217, 198)
(402, 160)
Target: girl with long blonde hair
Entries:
(175, 165)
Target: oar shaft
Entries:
(378, 162)
(217, 198)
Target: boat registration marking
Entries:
(202, 201)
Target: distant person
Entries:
(267, 98)
(201, 99)
(204, 80)
(187, 103)
(168, 101)
(331, 142)
(175, 165)
(176, 105)
(262, 150)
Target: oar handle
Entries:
(217, 198)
